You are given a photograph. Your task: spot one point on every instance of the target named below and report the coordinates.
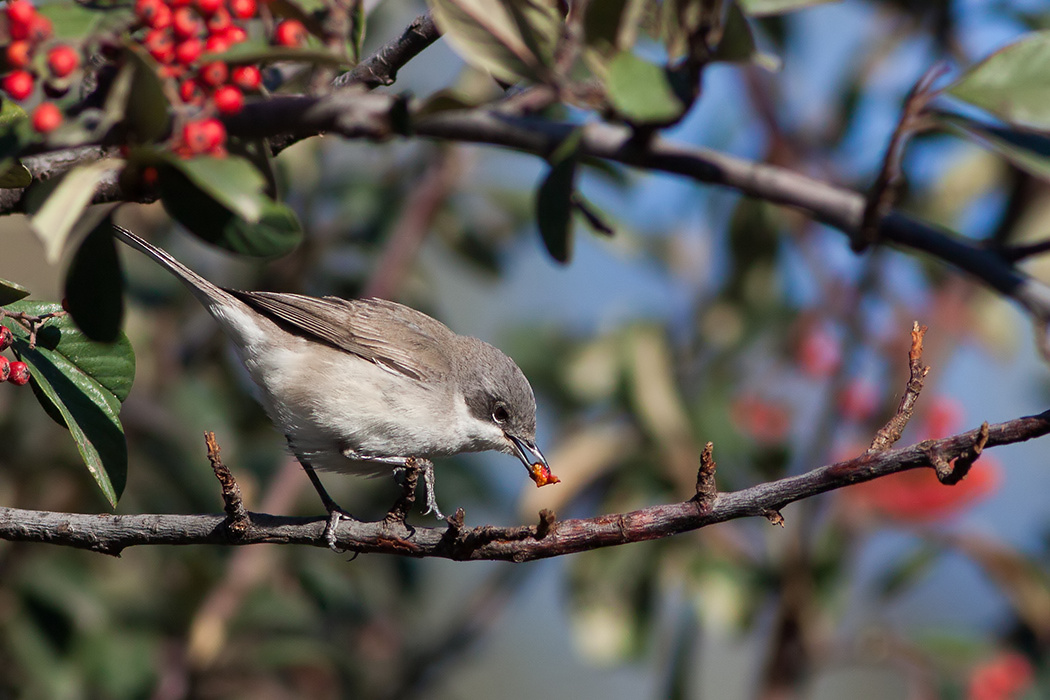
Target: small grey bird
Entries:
(364, 385)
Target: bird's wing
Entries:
(391, 335)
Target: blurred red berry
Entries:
(209, 6)
(219, 22)
(160, 44)
(228, 99)
(154, 14)
(18, 84)
(62, 60)
(18, 54)
(1004, 677)
(188, 51)
(39, 29)
(944, 417)
(187, 23)
(214, 74)
(204, 135)
(150, 175)
(819, 353)
(859, 400)
(6, 338)
(765, 421)
(243, 9)
(190, 91)
(47, 117)
(19, 373)
(20, 12)
(235, 34)
(290, 32)
(247, 77)
(217, 43)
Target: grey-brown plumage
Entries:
(363, 385)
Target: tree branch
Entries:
(381, 67)
(110, 534)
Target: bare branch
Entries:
(890, 433)
(110, 534)
(381, 67)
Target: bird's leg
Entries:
(403, 468)
(335, 513)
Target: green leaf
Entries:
(357, 30)
(71, 20)
(554, 199)
(94, 285)
(511, 39)
(53, 218)
(146, 112)
(83, 382)
(641, 92)
(738, 42)
(1029, 151)
(1012, 83)
(232, 181)
(594, 216)
(16, 176)
(762, 8)
(11, 292)
(612, 25)
(276, 232)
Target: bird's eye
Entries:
(499, 414)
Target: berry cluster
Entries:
(183, 36)
(16, 372)
(30, 33)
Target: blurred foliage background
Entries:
(704, 317)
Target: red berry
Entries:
(160, 44)
(243, 9)
(190, 92)
(247, 77)
(214, 74)
(209, 6)
(18, 84)
(47, 117)
(219, 22)
(290, 32)
(204, 135)
(187, 52)
(39, 29)
(19, 373)
(217, 43)
(19, 14)
(153, 13)
(18, 54)
(5, 369)
(62, 60)
(6, 339)
(235, 34)
(228, 99)
(150, 175)
(186, 23)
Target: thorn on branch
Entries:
(894, 428)
(774, 517)
(237, 519)
(546, 524)
(890, 179)
(949, 475)
(706, 489)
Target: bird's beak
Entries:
(533, 460)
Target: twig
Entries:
(890, 433)
(111, 534)
(951, 475)
(381, 67)
(706, 489)
(237, 520)
(1016, 253)
(887, 185)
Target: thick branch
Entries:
(112, 533)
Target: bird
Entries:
(369, 386)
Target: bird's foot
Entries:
(335, 514)
(407, 476)
(428, 484)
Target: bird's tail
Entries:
(208, 293)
